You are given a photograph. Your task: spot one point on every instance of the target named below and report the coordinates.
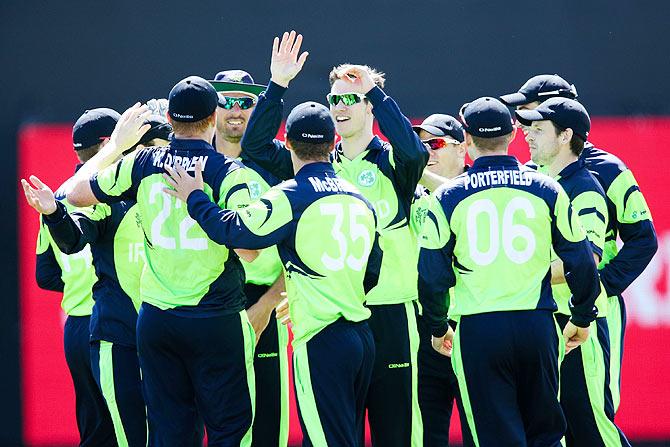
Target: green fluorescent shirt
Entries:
(489, 234)
(265, 269)
(588, 201)
(77, 271)
(185, 272)
(325, 232)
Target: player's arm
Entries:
(259, 225)
(72, 231)
(47, 270)
(591, 209)
(637, 232)
(81, 189)
(258, 142)
(431, 180)
(260, 312)
(409, 155)
(572, 247)
(436, 274)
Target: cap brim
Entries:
(526, 117)
(430, 129)
(238, 87)
(515, 99)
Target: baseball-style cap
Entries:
(563, 112)
(486, 117)
(310, 122)
(236, 81)
(442, 126)
(192, 99)
(94, 126)
(160, 128)
(540, 88)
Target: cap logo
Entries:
(310, 135)
(367, 178)
(490, 129)
(179, 115)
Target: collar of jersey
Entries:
(314, 168)
(495, 160)
(190, 145)
(375, 144)
(571, 168)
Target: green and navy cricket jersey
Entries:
(75, 270)
(117, 244)
(489, 234)
(588, 202)
(185, 273)
(629, 218)
(324, 230)
(265, 269)
(386, 174)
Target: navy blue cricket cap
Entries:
(442, 126)
(540, 88)
(486, 117)
(160, 128)
(310, 122)
(192, 99)
(564, 112)
(94, 126)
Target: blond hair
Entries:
(378, 77)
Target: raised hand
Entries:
(181, 183)
(130, 128)
(286, 64)
(358, 76)
(41, 198)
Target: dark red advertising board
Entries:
(48, 397)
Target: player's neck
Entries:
(354, 145)
(299, 164)
(563, 159)
(228, 148)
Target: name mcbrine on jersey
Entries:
(161, 158)
(501, 177)
(329, 184)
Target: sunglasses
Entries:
(348, 99)
(228, 102)
(438, 143)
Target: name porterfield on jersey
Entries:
(498, 177)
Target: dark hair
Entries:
(576, 142)
(86, 153)
(491, 144)
(311, 151)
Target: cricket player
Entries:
(387, 175)
(74, 275)
(194, 339)
(117, 246)
(488, 234)
(629, 220)
(556, 132)
(325, 232)
(438, 387)
(264, 281)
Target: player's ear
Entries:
(288, 143)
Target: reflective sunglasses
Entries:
(348, 99)
(228, 102)
(438, 143)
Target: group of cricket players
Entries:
(190, 238)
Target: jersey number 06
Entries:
(509, 231)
